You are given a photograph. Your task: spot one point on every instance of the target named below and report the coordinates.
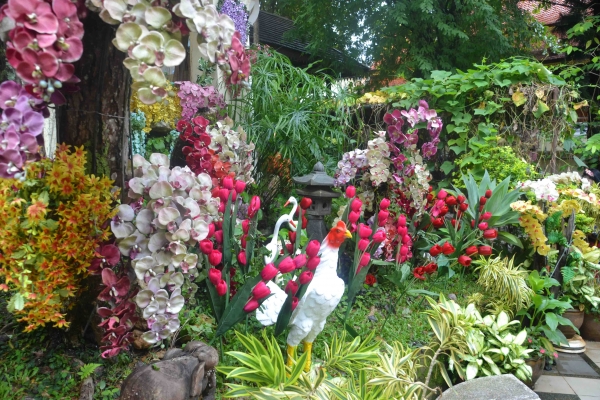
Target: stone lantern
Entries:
(318, 187)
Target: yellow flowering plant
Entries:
(51, 224)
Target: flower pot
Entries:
(576, 317)
(590, 330)
(537, 366)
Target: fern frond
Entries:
(568, 274)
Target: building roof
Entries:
(546, 16)
(271, 31)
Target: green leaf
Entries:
(510, 238)
(541, 109)
(16, 303)
(234, 312)
(447, 167)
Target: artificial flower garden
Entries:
(444, 239)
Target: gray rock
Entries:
(499, 387)
(181, 375)
(86, 391)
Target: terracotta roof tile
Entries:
(545, 16)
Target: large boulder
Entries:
(499, 387)
(183, 374)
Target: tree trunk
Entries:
(97, 116)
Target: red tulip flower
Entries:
(364, 260)
(403, 230)
(313, 263)
(245, 226)
(461, 199)
(268, 272)
(251, 305)
(254, 206)
(385, 203)
(488, 193)
(350, 191)
(482, 226)
(300, 260)
(214, 276)
(219, 236)
(382, 217)
(485, 250)
(286, 265)
(471, 250)
(243, 241)
(240, 186)
(291, 287)
(221, 288)
(447, 249)
(436, 250)
(363, 244)
(353, 217)
(379, 236)
(482, 200)
(451, 200)
(292, 236)
(430, 268)
(206, 246)
(402, 221)
(211, 230)
(442, 194)
(356, 205)
(241, 258)
(305, 203)
(490, 234)
(305, 277)
(215, 257)
(485, 216)
(227, 183)
(260, 291)
(294, 303)
(463, 207)
(364, 231)
(465, 261)
(312, 249)
(438, 222)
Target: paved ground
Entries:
(575, 377)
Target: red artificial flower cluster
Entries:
(445, 203)
(198, 156)
(307, 262)
(44, 43)
(428, 269)
(215, 231)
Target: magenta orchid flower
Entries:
(36, 15)
(115, 288)
(107, 255)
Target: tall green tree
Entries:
(412, 38)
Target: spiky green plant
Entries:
(506, 284)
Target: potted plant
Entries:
(590, 329)
(543, 352)
(542, 320)
(579, 285)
